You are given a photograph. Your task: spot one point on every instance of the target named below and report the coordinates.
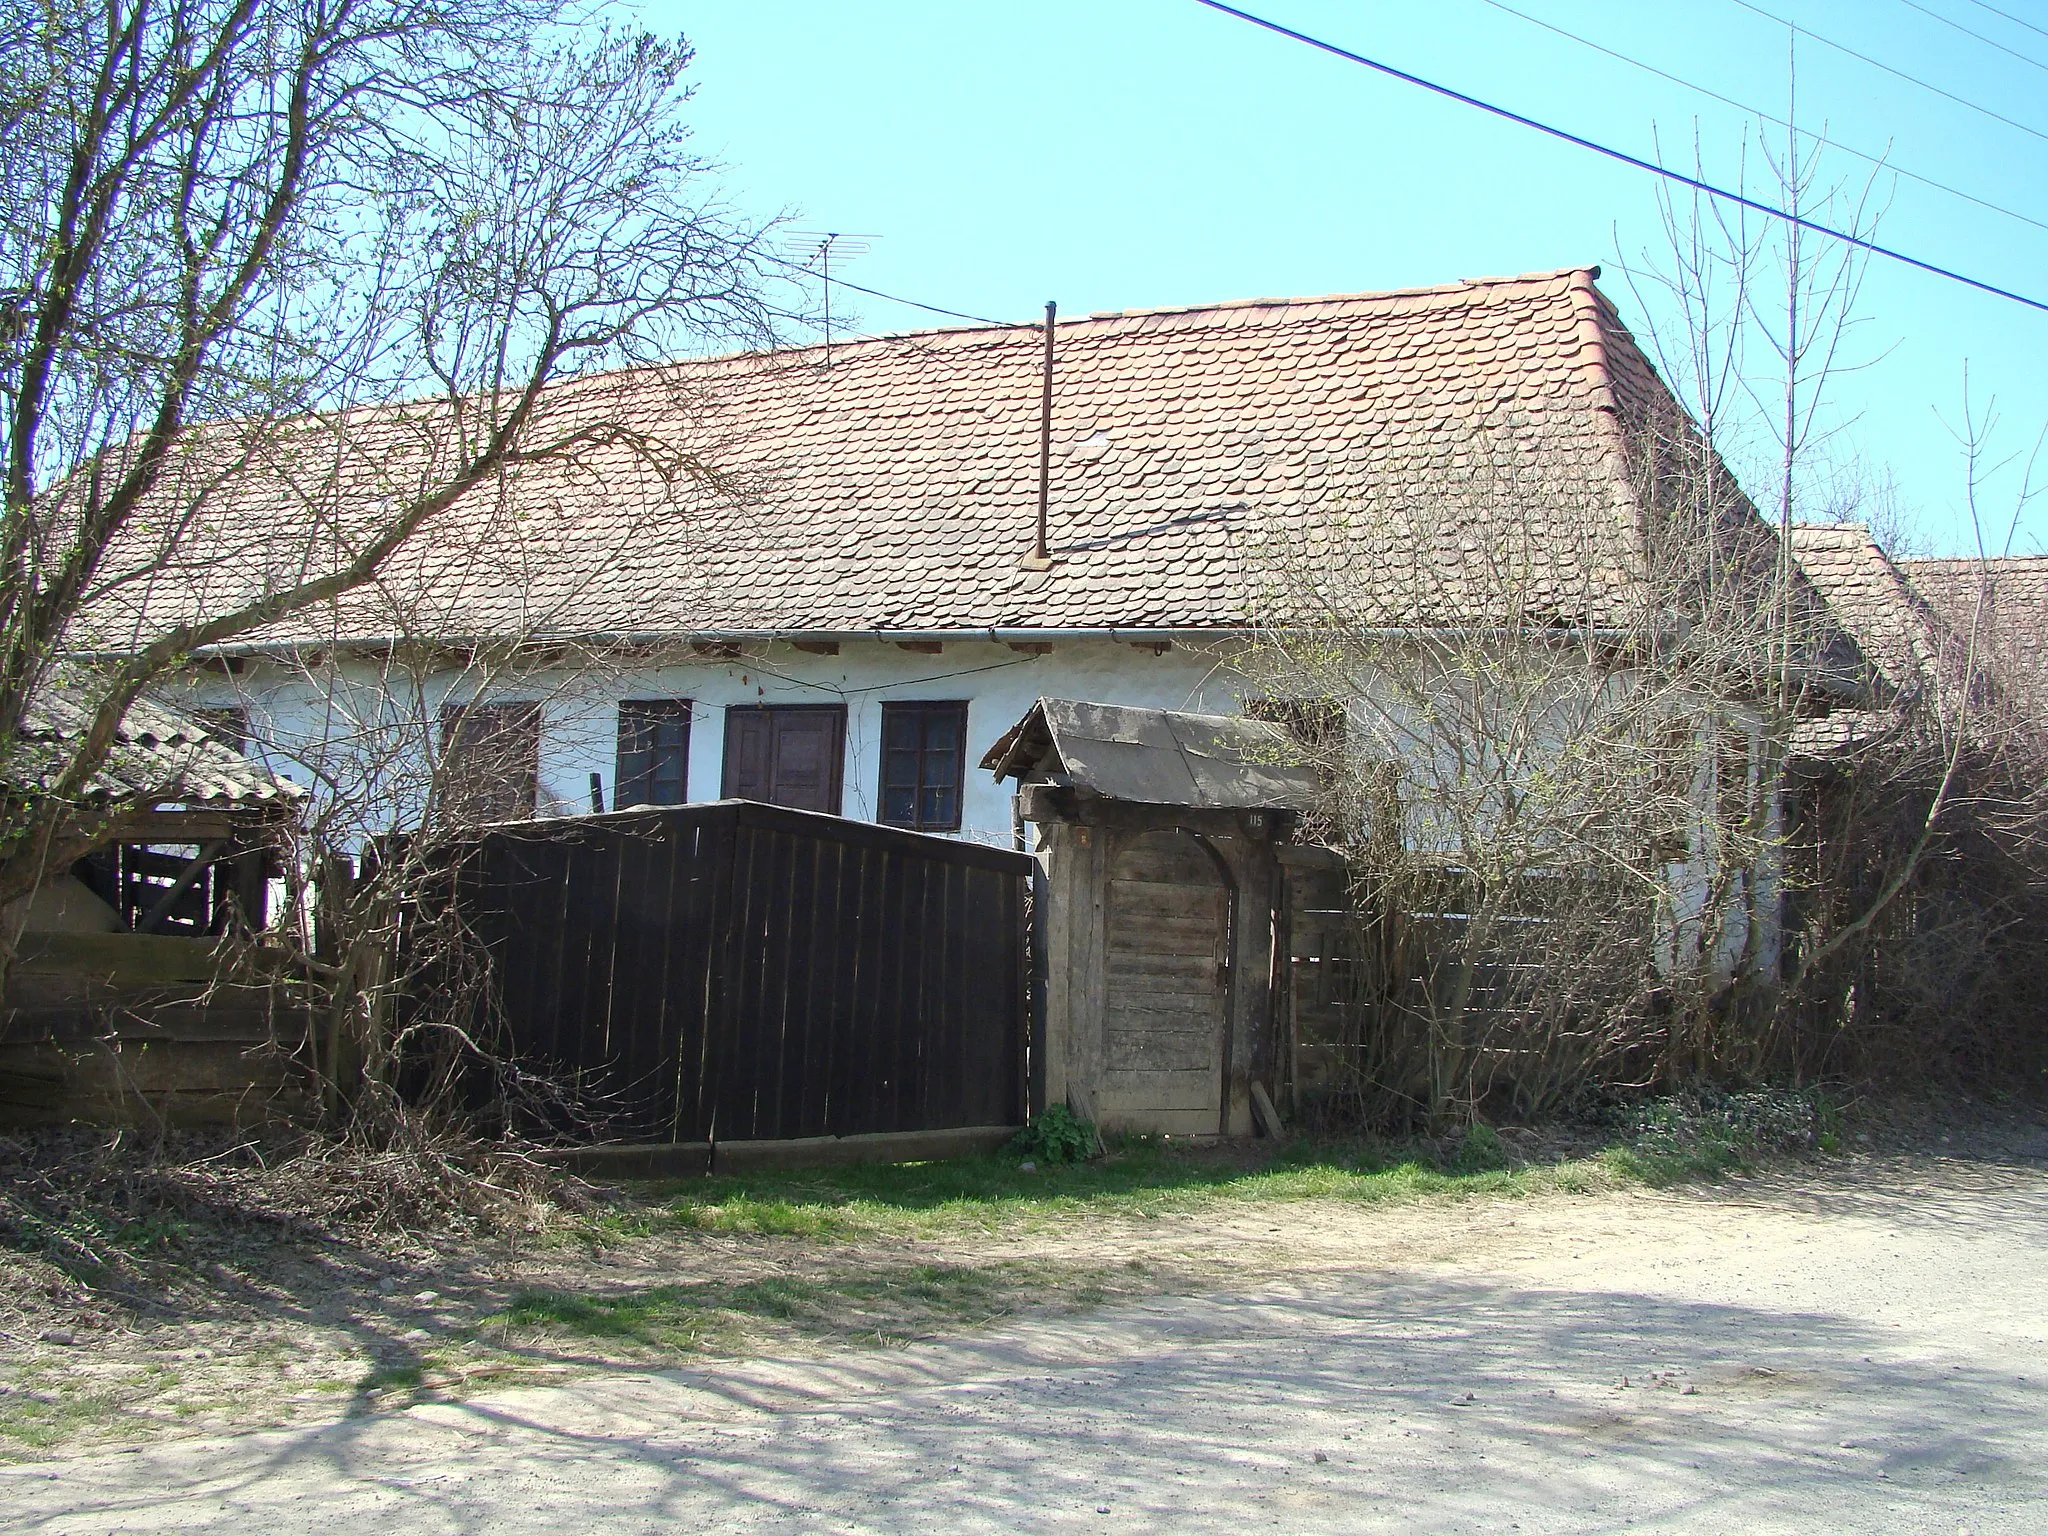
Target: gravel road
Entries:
(1863, 1348)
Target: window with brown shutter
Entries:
(785, 754)
(654, 753)
(924, 761)
(490, 761)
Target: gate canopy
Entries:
(1156, 757)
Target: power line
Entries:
(1829, 42)
(1722, 193)
(893, 298)
(1758, 112)
(1988, 42)
(933, 309)
(2008, 15)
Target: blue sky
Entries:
(1133, 153)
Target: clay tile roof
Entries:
(158, 755)
(2007, 601)
(1872, 600)
(895, 488)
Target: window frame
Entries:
(520, 719)
(648, 716)
(924, 711)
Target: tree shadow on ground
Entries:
(1434, 1403)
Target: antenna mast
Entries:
(814, 248)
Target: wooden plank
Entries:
(855, 1063)
(880, 1112)
(824, 988)
(1159, 1051)
(732, 1078)
(634, 950)
(785, 939)
(1168, 858)
(695, 974)
(946, 1039)
(123, 958)
(655, 1008)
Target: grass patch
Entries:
(392, 1378)
(1696, 1136)
(1138, 1178)
(41, 1420)
(883, 1307)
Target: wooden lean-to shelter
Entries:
(121, 1006)
(1159, 834)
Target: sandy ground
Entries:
(1862, 1348)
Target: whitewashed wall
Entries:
(289, 713)
(580, 708)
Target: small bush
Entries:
(1481, 1151)
(1707, 1129)
(1058, 1136)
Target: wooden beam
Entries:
(194, 868)
(817, 647)
(922, 647)
(717, 650)
(1156, 647)
(1032, 647)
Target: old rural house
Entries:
(843, 617)
(814, 581)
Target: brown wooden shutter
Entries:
(787, 754)
(491, 761)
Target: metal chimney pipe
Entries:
(1040, 558)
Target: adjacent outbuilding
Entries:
(1161, 909)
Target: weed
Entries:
(1710, 1132)
(878, 1306)
(1058, 1136)
(388, 1378)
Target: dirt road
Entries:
(1858, 1349)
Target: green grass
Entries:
(882, 1305)
(1139, 1178)
(1148, 1177)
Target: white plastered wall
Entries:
(289, 710)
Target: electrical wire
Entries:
(1720, 193)
(1988, 42)
(2008, 15)
(1758, 112)
(1844, 48)
(893, 298)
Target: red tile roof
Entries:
(2005, 601)
(894, 490)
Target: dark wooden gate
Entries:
(737, 971)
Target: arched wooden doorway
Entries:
(1166, 986)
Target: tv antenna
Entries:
(817, 248)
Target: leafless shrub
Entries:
(1547, 780)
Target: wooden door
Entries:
(785, 754)
(1166, 988)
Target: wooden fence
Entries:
(735, 971)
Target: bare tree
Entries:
(282, 282)
(1547, 781)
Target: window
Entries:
(924, 759)
(228, 725)
(654, 753)
(490, 761)
(785, 754)
(1317, 724)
